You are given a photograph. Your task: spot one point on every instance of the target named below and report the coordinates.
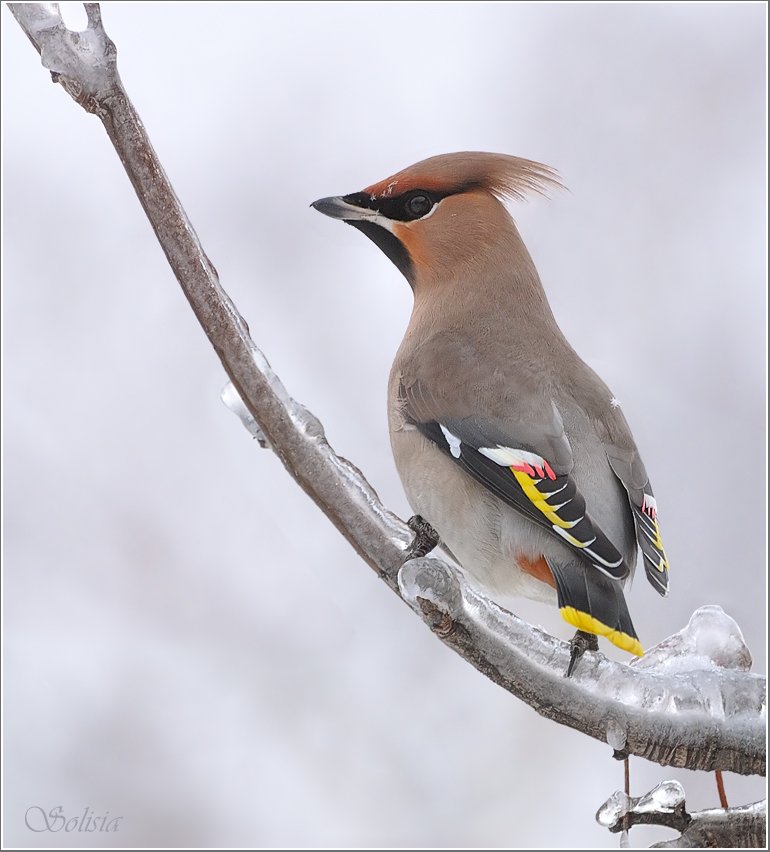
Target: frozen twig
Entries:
(720, 725)
(740, 827)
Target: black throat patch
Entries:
(388, 243)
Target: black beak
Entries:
(338, 208)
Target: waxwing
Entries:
(507, 443)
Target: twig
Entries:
(721, 789)
(744, 826)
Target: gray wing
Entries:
(504, 430)
(588, 391)
(629, 469)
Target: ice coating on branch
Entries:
(305, 421)
(712, 640)
(613, 810)
(263, 365)
(86, 59)
(87, 56)
(737, 827)
(666, 798)
(233, 401)
(693, 707)
(41, 16)
(301, 417)
(616, 735)
(432, 581)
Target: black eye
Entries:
(418, 205)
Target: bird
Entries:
(509, 446)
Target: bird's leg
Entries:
(579, 644)
(425, 538)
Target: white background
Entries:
(190, 644)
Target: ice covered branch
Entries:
(743, 827)
(740, 827)
(710, 722)
(682, 708)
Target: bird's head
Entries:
(441, 214)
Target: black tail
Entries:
(593, 602)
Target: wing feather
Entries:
(629, 469)
(526, 481)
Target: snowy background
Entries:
(190, 644)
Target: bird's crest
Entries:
(501, 174)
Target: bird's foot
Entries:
(425, 538)
(579, 644)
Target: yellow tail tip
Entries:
(584, 621)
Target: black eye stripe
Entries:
(403, 208)
(400, 208)
(360, 199)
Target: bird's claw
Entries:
(579, 644)
(425, 538)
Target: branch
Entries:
(743, 827)
(723, 726)
(693, 719)
(729, 828)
